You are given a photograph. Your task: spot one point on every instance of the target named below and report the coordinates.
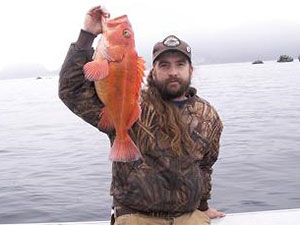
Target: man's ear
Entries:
(191, 70)
(153, 73)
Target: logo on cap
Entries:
(188, 49)
(171, 42)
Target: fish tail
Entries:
(124, 150)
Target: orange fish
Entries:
(118, 72)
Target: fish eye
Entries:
(126, 33)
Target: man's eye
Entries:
(163, 65)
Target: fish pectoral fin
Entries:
(96, 70)
(105, 121)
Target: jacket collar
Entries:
(191, 92)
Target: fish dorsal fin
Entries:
(140, 67)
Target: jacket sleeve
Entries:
(77, 93)
(210, 158)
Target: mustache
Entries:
(169, 80)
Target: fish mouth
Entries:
(116, 21)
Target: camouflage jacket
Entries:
(160, 182)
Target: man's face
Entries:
(172, 74)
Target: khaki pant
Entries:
(195, 218)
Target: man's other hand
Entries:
(212, 213)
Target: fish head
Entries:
(118, 32)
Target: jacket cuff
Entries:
(85, 40)
(203, 205)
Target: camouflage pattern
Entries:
(161, 181)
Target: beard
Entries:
(168, 92)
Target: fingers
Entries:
(105, 13)
(98, 11)
(212, 213)
(222, 214)
(95, 7)
(219, 214)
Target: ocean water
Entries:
(54, 167)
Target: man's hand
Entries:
(212, 213)
(93, 20)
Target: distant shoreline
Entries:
(56, 72)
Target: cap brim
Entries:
(170, 49)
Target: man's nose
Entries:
(173, 71)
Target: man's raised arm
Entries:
(77, 93)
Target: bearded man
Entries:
(178, 134)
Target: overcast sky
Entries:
(39, 31)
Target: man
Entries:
(178, 134)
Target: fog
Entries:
(37, 34)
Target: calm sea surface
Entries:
(54, 167)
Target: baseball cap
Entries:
(171, 42)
